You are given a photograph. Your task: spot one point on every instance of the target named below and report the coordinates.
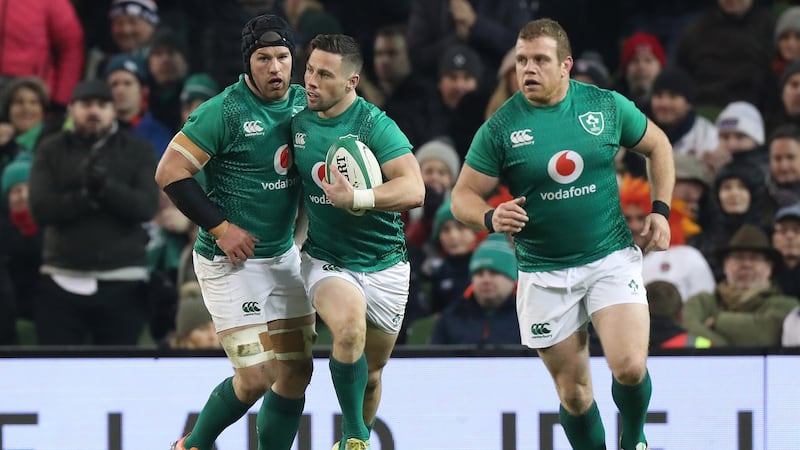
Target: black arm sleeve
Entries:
(190, 199)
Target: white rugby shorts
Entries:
(256, 292)
(551, 306)
(385, 291)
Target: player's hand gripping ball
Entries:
(357, 163)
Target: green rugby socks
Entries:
(632, 402)
(278, 420)
(221, 410)
(350, 382)
(585, 432)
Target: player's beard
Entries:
(323, 104)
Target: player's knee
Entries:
(577, 403)
(374, 379)
(349, 337)
(252, 385)
(629, 373)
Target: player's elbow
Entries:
(163, 176)
(417, 196)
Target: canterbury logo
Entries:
(331, 268)
(521, 137)
(299, 139)
(251, 307)
(540, 329)
(253, 128)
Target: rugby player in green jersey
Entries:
(355, 267)
(553, 144)
(245, 258)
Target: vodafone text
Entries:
(281, 184)
(573, 191)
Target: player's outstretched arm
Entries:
(661, 170)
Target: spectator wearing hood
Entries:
(739, 195)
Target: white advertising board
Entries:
(503, 403)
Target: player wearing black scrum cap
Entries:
(245, 258)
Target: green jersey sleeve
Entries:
(206, 126)
(632, 122)
(387, 140)
(483, 155)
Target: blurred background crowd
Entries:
(721, 77)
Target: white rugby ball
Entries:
(357, 163)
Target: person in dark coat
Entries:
(90, 190)
(487, 315)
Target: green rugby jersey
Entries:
(367, 243)
(561, 158)
(250, 175)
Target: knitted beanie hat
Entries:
(18, 171)
(443, 214)
(199, 86)
(676, 81)
(443, 151)
(639, 42)
(788, 21)
(744, 118)
(146, 9)
(495, 253)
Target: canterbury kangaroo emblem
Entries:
(540, 329)
(251, 307)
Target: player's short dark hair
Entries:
(549, 28)
(664, 300)
(340, 44)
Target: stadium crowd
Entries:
(720, 77)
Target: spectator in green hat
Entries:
(487, 313)
(196, 89)
(450, 269)
(22, 241)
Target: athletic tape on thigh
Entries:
(293, 343)
(248, 347)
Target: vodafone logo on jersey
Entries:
(318, 173)
(565, 166)
(282, 160)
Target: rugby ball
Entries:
(356, 162)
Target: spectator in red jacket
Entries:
(42, 38)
